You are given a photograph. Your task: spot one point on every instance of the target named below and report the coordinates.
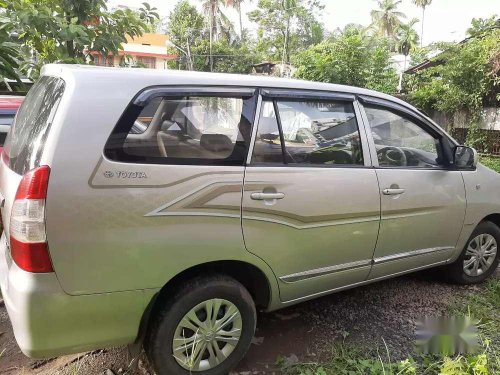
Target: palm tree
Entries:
(407, 39)
(422, 4)
(387, 18)
(236, 4)
(218, 22)
(9, 51)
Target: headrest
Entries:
(216, 142)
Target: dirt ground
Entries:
(367, 316)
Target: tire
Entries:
(166, 324)
(456, 272)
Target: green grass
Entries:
(491, 162)
(483, 305)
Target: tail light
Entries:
(28, 242)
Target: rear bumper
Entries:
(48, 322)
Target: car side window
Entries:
(267, 147)
(315, 132)
(400, 142)
(186, 130)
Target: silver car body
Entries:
(116, 239)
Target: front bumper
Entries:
(48, 322)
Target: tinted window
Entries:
(186, 130)
(26, 139)
(314, 132)
(267, 147)
(400, 142)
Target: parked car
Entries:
(170, 206)
(8, 108)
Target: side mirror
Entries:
(465, 157)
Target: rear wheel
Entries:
(479, 258)
(206, 327)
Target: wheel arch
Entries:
(249, 275)
(494, 218)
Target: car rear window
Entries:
(26, 140)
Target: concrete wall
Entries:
(490, 119)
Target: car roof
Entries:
(8, 102)
(179, 77)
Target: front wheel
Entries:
(480, 257)
(206, 327)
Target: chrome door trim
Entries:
(365, 282)
(299, 276)
(409, 254)
(304, 275)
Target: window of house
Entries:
(187, 130)
(99, 60)
(315, 132)
(146, 62)
(400, 142)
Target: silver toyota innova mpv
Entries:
(166, 207)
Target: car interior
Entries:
(188, 128)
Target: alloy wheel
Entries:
(207, 335)
(480, 254)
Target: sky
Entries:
(445, 20)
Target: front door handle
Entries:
(393, 191)
(266, 196)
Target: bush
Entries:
(350, 59)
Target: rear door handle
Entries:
(393, 191)
(266, 196)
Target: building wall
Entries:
(489, 119)
(149, 50)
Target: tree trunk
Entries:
(285, 54)
(211, 42)
(422, 32)
(241, 22)
(70, 48)
(288, 41)
(190, 59)
(400, 86)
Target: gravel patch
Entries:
(366, 316)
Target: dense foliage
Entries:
(465, 76)
(286, 26)
(462, 76)
(188, 32)
(9, 51)
(350, 58)
(67, 30)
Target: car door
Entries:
(422, 200)
(311, 203)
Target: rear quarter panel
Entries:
(110, 234)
